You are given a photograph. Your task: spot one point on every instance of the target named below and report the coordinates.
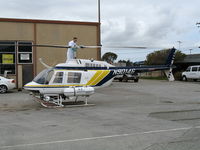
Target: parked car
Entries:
(127, 77)
(192, 72)
(6, 84)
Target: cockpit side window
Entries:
(42, 76)
(58, 77)
(49, 76)
(74, 77)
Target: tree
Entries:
(109, 57)
(160, 57)
(127, 62)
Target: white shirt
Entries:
(71, 52)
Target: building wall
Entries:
(153, 74)
(53, 33)
(16, 31)
(61, 35)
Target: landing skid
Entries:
(58, 102)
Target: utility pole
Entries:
(179, 44)
(99, 11)
(99, 30)
(190, 51)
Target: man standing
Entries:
(71, 53)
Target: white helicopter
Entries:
(80, 77)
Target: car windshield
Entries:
(188, 69)
(41, 78)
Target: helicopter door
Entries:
(54, 83)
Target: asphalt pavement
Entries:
(149, 115)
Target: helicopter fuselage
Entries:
(74, 73)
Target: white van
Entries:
(192, 72)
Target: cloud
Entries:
(140, 30)
(49, 9)
(133, 22)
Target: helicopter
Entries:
(80, 77)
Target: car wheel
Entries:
(3, 89)
(184, 78)
(136, 80)
(125, 78)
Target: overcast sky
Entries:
(154, 23)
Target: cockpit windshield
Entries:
(44, 76)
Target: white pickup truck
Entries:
(127, 77)
(192, 72)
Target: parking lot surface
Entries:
(149, 115)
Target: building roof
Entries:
(192, 58)
(47, 21)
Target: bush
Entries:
(177, 75)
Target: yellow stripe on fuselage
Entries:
(102, 76)
(96, 75)
(99, 75)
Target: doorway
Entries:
(27, 73)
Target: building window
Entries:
(11, 53)
(7, 57)
(25, 53)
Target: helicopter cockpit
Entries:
(51, 76)
(44, 76)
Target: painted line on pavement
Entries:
(100, 137)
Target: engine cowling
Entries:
(78, 91)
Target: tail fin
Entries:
(169, 62)
(171, 56)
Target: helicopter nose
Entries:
(29, 85)
(26, 85)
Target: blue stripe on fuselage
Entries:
(137, 68)
(107, 78)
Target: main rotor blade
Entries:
(46, 45)
(82, 46)
(53, 46)
(135, 47)
(37, 45)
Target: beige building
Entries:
(23, 61)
